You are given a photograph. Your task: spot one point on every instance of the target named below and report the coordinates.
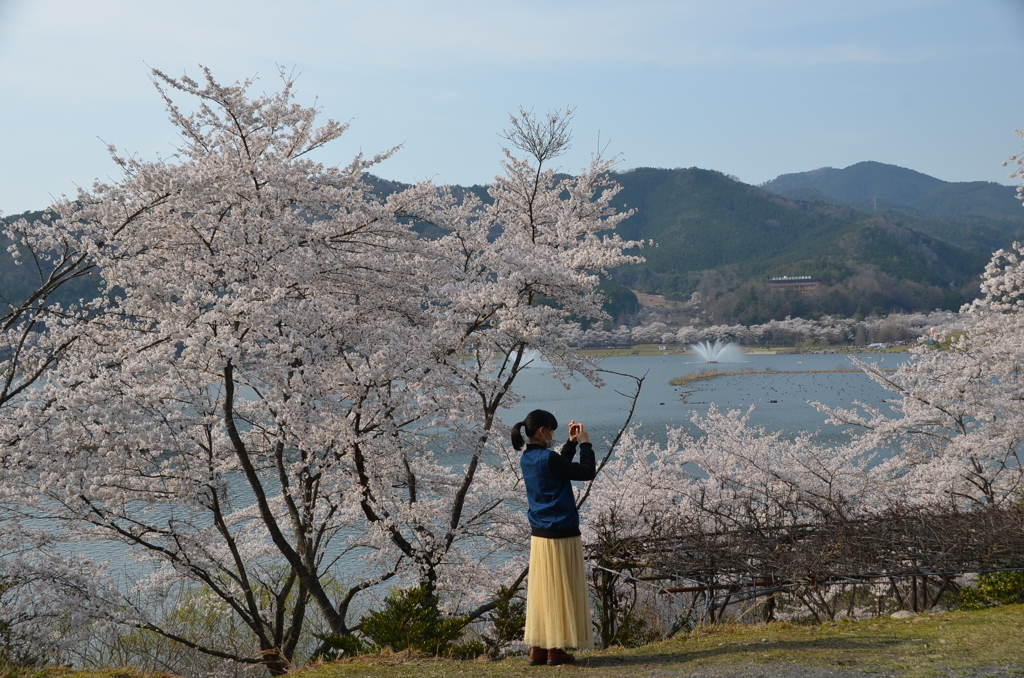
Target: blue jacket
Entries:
(548, 475)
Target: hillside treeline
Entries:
(723, 239)
(910, 328)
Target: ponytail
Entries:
(534, 421)
(517, 437)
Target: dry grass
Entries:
(926, 645)
(61, 672)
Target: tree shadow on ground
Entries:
(754, 652)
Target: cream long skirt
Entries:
(557, 602)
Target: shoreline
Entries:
(648, 350)
(713, 373)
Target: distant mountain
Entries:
(18, 282)
(877, 238)
(874, 186)
(725, 239)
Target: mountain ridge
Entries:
(724, 239)
(719, 241)
(865, 184)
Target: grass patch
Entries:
(713, 373)
(925, 645)
(640, 349)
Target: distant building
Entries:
(800, 283)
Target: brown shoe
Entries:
(558, 657)
(538, 656)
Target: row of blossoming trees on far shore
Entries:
(286, 402)
(903, 327)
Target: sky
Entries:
(752, 88)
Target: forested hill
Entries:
(724, 239)
(873, 186)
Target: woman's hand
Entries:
(577, 433)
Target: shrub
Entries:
(635, 628)
(411, 620)
(508, 620)
(995, 588)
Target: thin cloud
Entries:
(418, 36)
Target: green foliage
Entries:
(873, 186)
(996, 588)
(411, 620)
(619, 301)
(508, 621)
(679, 287)
(634, 628)
(701, 219)
(14, 657)
(908, 255)
(860, 183)
(471, 649)
(726, 239)
(187, 612)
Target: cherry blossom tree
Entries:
(731, 474)
(950, 442)
(285, 396)
(956, 425)
(37, 332)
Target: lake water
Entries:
(662, 405)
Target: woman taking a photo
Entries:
(557, 603)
